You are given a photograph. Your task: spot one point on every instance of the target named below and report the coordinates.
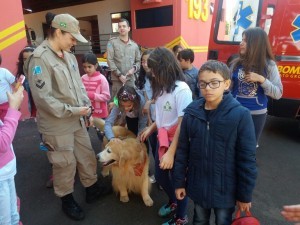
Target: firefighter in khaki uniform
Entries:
(61, 102)
(123, 58)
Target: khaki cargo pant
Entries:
(70, 152)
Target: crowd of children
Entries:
(196, 122)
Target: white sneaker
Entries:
(152, 179)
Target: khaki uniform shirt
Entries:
(121, 57)
(57, 90)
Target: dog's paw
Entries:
(148, 201)
(124, 198)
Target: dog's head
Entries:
(118, 153)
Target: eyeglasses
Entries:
(213, 84)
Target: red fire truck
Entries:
(281, 20)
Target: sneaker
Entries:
(152, 179)
(49, 183)
(43, 147)
(167, 209)
(177, 221)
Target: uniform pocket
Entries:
(61, 158)
(61, 149)
(119, 53)
(61, 142)
(62, 77)
(251, 102)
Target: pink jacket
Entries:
(97, 89)
(8, 130)
(165, 137)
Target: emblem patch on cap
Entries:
(63, 24)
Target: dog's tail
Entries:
(99, 123)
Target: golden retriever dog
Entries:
(129, 164)
(119, 132)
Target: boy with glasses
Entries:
(215, 158)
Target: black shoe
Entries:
(95, 192)
(71, 208)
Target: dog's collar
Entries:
(139, 167)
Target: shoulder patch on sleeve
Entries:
(37, 70)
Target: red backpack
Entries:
(245, 220)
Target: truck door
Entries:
(285, 40)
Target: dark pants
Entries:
(153, 142)
(259, 123)
(164, 179)
(202, 216)
(132, 124)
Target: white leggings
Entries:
(8, 203)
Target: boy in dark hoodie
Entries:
(215, 158)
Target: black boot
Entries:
(95, 192)
(71, 208)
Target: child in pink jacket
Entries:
(96, 86)
(8, 199)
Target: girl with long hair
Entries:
(172, 95)
(255, 76)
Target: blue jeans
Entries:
(164, 179)
(8, 203)
(202, 216)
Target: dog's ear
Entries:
(123, 159)
(124, 155)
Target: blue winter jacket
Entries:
(215, 157)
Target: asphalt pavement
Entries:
(278, 183)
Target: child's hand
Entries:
(254, 77)
(180, 193)
(149, 123)
(146, 108)
(110, 106)
(167, 161)
(243, 206)
(118, 140)
(145, 134)
(15, 99)
(291, 213)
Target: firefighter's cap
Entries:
(68, 23)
